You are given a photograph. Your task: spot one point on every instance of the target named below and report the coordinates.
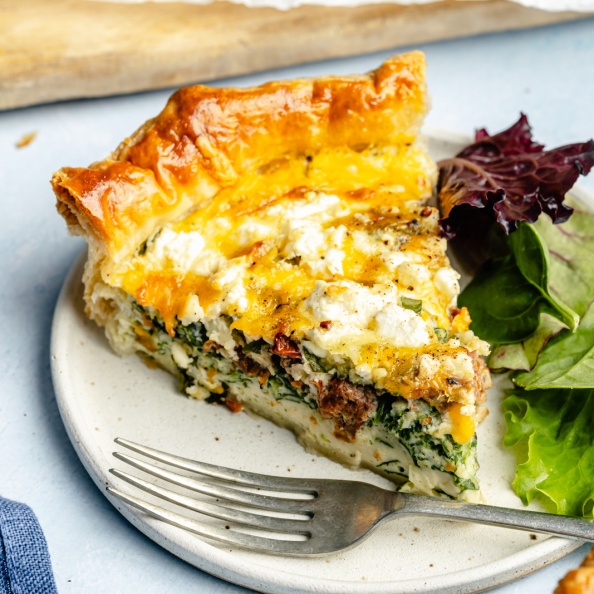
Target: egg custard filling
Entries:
(275, 249)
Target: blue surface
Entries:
(479, 82)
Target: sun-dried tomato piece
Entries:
(285, 347)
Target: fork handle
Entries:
(565, 526)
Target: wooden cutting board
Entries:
(63, 49)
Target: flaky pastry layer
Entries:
(207, 138)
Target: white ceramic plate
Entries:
(102, 396)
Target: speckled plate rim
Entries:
(233, 568)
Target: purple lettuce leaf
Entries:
(508, 178)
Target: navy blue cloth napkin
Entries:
(25, 566)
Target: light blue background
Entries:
(484, 81)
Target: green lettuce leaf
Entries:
(504, 306)
(566, 362)
(531, 254)
(551, 430)
(568, 359)
(571, 252)
(522, 356)
(555, 260)
(510, 297)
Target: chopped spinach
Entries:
(194, 334)
(426, 450)
(255, 346)
(216, 398)
(316, 364)
(282, 389)
(439, 491)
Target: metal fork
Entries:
(301, 516)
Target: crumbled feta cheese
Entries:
(364, 371)
(184, 252)
(303, 240)
(459, 367)
(379, 373)
(363, 242)
(192, 311)
(334, 259)
(402, 327)
(360, 315)
(252, 231)
(229, 280)
(393, 259)
(181, 358)
(218, 331)
(414, 275)
(473, 343)
(428, 366)
(446, 282)
(343, 302)
(181, 249)
(318, 248)
(326, 206)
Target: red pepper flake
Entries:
(326, 324)
(233, 406)
(285, 347)
(426, 211)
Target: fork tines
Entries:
(258, 512)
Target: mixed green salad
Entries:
(532, 298)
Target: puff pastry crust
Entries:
(207, 138)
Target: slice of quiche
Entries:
(274, 248)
